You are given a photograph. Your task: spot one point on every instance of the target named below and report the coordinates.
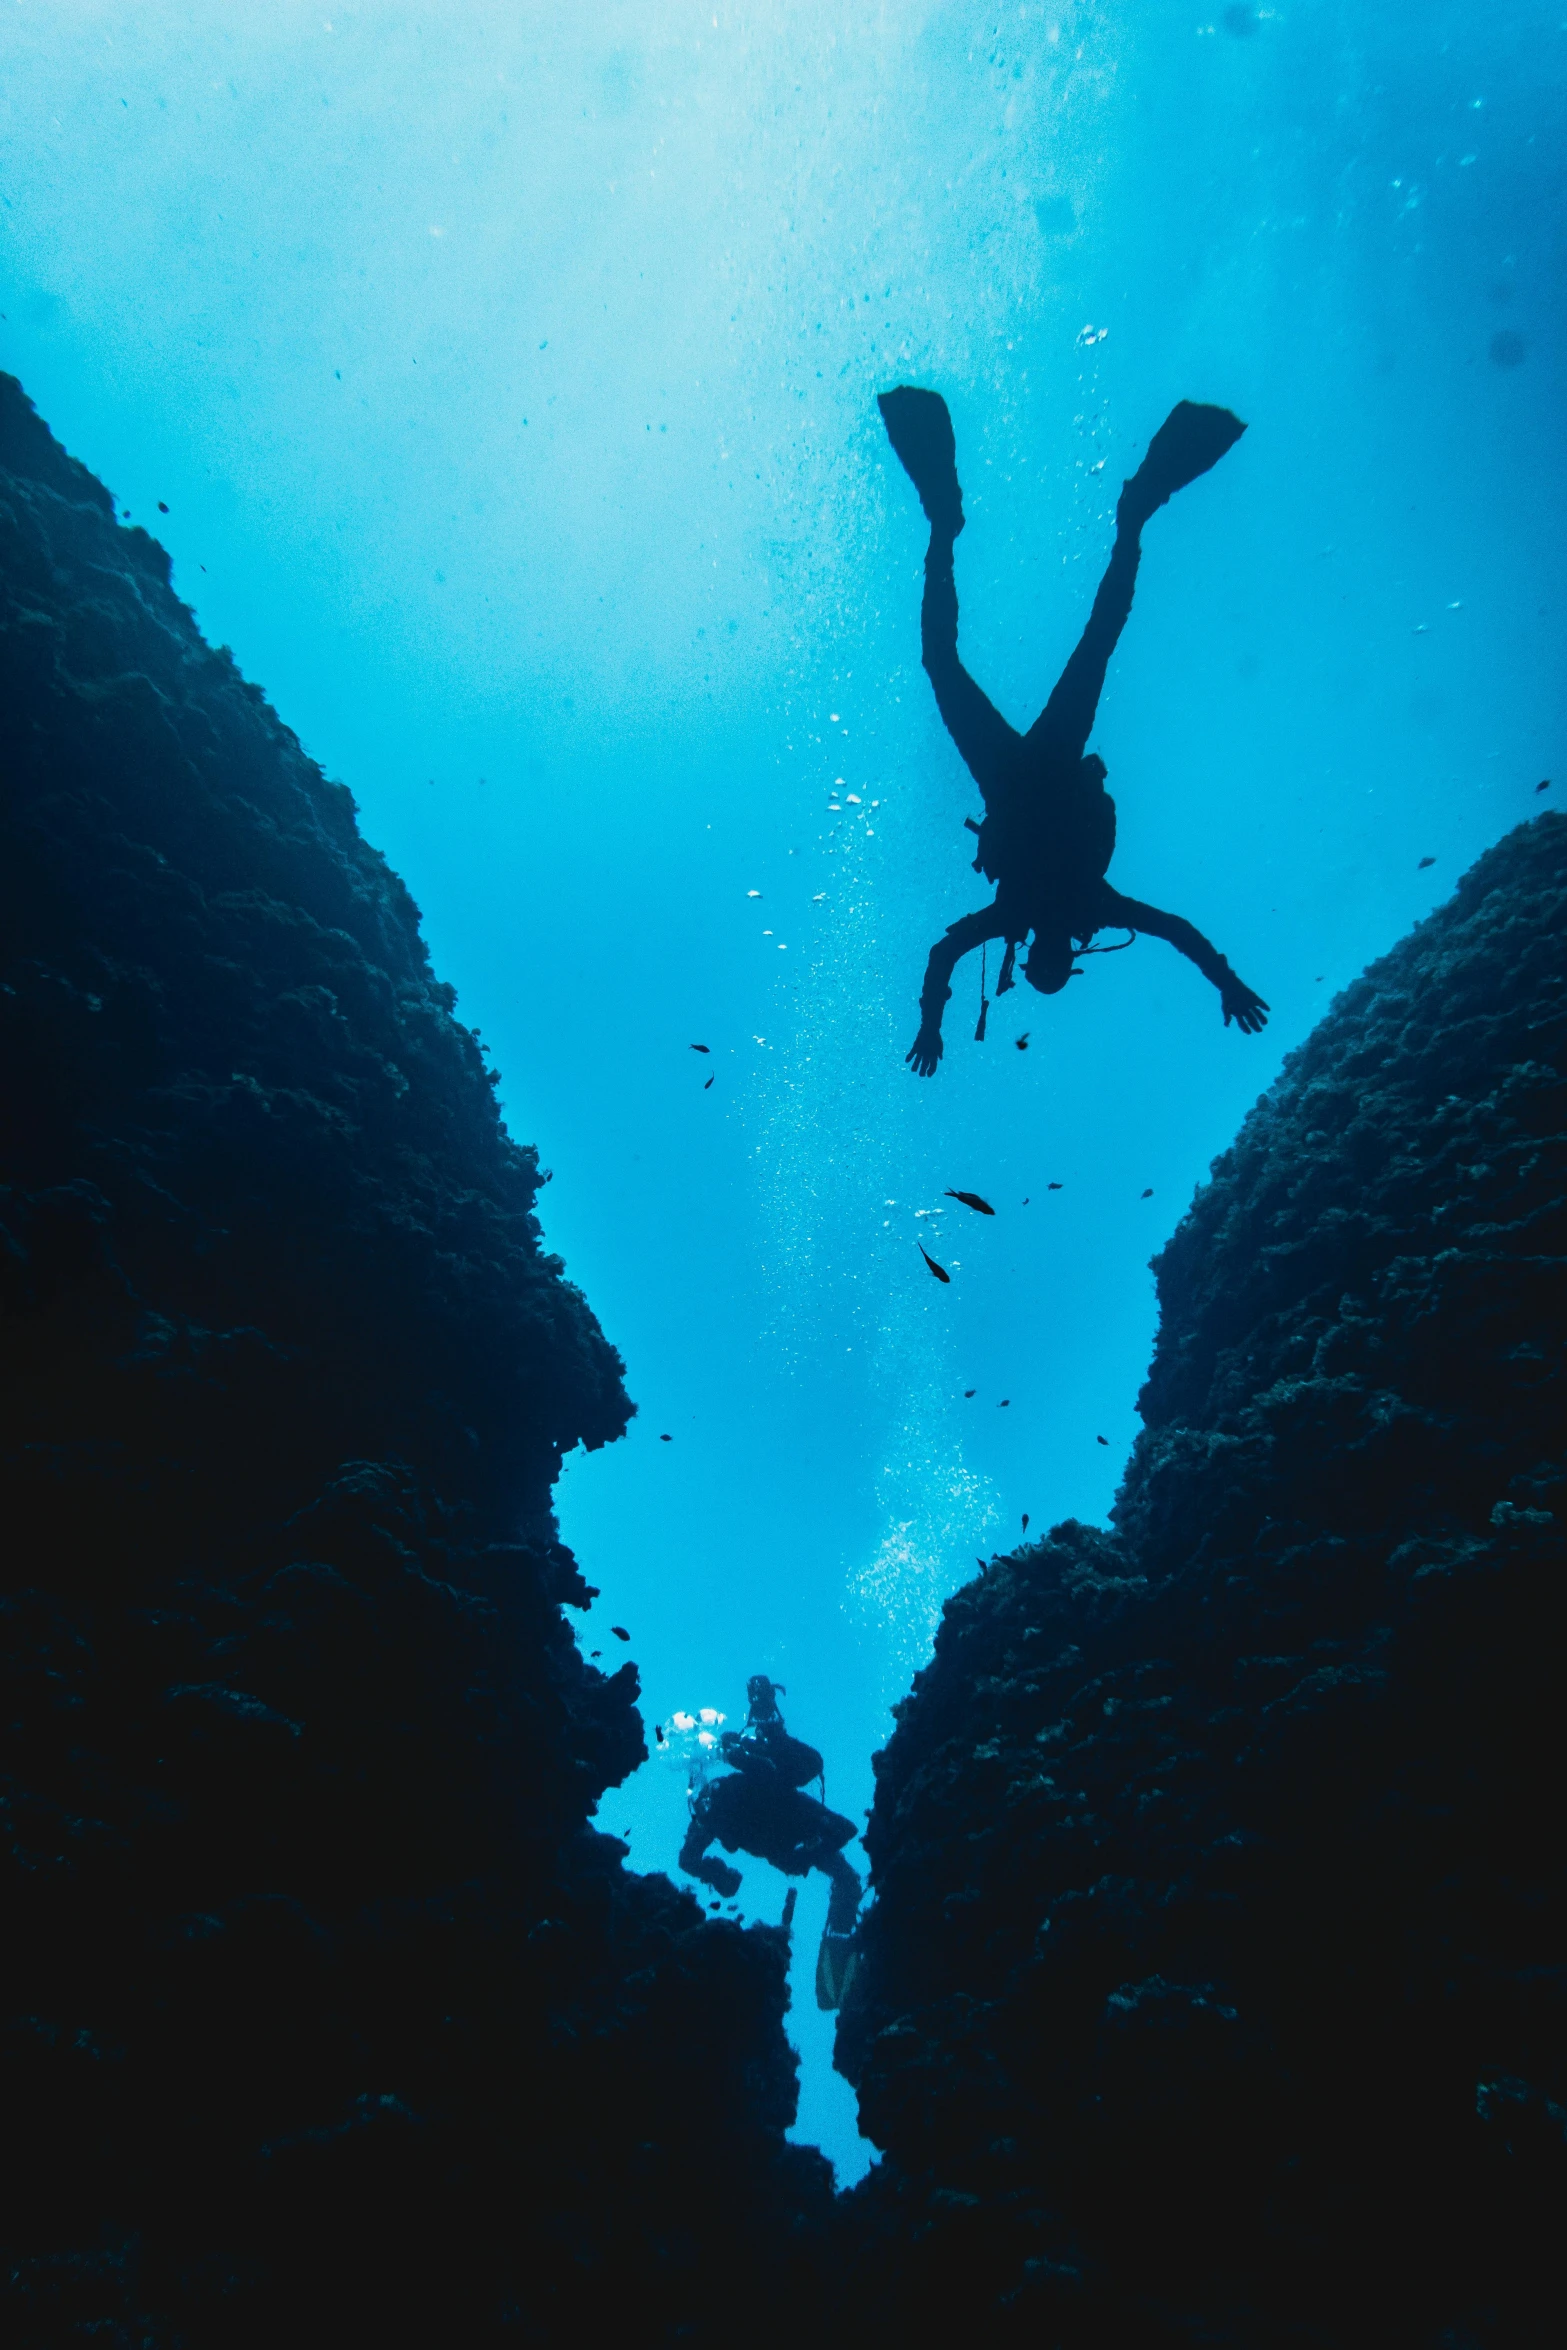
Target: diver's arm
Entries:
(972, 931)
(1240, 1003)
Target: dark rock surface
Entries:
(323, 2014)
(1216, 1987)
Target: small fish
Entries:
(620, 1631)
(709, 1082)
(715, 1905)
(658, 1732)
(1104, 1440)
(940, 1271)
(1004, 1403)
(1148, 1194)
(1424, 862)
(969, 1391)
(1021, 1041)
(666, 1439)
(701, 1048)
(1052, 1187)
(1025, 1521)
(1545, 786)
(1025, 1203)
(593, 1652)
(162, 508)
(971, 1199)
(753, 893)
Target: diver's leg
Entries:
(843, 1901)
(986, 743)
(698, 1862)
(1189, 443)
(1066, 721)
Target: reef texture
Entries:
(324, 2016)
(1215, 1989)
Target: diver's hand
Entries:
(925, 1051)
(1241, 1005)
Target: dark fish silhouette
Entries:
(620, 1631)
(666, 1440)
(1148, 1194)
(658, 1732)
(968, 1391)
(1052, 1187)
(1025, 1203)
(715, 1905)
(709, 1082)
(162, 508)
(1545, 786)
(1104, 1440)
(939, 1270)
(701, 1048)
(1021, 1041)
(593, 1652)
(1004, 1404)
(971, 1199)
(1424, 862)
(1025, 1521)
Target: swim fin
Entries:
(920, 431)
(837, 1962)
(1191, 440)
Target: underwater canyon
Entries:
(1210, 1990)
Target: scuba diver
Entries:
(759, 1807)
(1049, 828)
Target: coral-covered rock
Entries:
(325, 2016)
(1216, 1984)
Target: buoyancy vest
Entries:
(1047, 844)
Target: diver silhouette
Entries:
(760, 1807)
(1049, 828)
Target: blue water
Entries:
(508, 373)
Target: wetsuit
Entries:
(759, 1807)
(1049, 829)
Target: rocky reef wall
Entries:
(1214, 1990)
(325, 2016)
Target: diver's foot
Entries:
(1134, 506)
(920, 431)
(1189, 443)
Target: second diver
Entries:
(760, 1806)
(1049, 828)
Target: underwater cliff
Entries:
(1213, 1990)
(325, 2015)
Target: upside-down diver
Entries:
(1049, 829)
